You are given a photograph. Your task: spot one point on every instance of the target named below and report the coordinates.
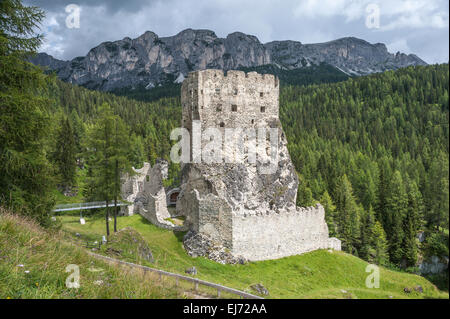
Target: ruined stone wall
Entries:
(153, 196)
(261, 237)
(131, 187)
(146, 192)
(234, 100)
(235, 204)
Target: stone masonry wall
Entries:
(235, 204)
(146, 192)
(131, 187)
(234, 100)
(279, 235)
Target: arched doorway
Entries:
(172, 196)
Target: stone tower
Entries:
(234, 204)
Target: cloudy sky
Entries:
(410, 26)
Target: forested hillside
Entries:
(314, 74)
(374, 151)
(370, 149)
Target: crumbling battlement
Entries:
(238, 99)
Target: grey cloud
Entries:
(110, 5)
(268, 20)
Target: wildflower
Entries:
(98, 282)
(27, 271)
(21, 265)
(37, 284)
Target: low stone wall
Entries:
(262, 236)
(277, 235)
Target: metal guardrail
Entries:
(93, 244)
(90, 205)
(196, 281)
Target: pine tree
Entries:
(137, 153)
(101, 163)
(120, 149)
(304, 193)
(78, 131)
(330, 211)
(348, 215)
(383, 191)
(437, 192)
(25, 174)
(379, 244)
(396, 207)
(367, 224)
(410, 248)
(64, 154)
(415, 206)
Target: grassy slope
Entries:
(46, 256)
(319, 274)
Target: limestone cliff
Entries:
(150, 60)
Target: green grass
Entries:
(33, 263)
(319, 274)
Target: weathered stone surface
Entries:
(191, 271)
(132, 186)
(259, 288)
(351, 55)
(200, 245)
(153, 196)
(238, 205)
(146, 191)
(150, 60)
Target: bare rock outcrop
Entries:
(150, 60)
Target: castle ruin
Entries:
(147, 195)
(232, 204)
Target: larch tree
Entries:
(64, 154)
(25, 175)
(100, 159)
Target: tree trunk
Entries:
(107, 219)
(115, 214)
(116, 191)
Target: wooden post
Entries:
(218, 292)
(196, 286)
(176, 282)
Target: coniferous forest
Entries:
(373, 150)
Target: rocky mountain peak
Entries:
(150, 60)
